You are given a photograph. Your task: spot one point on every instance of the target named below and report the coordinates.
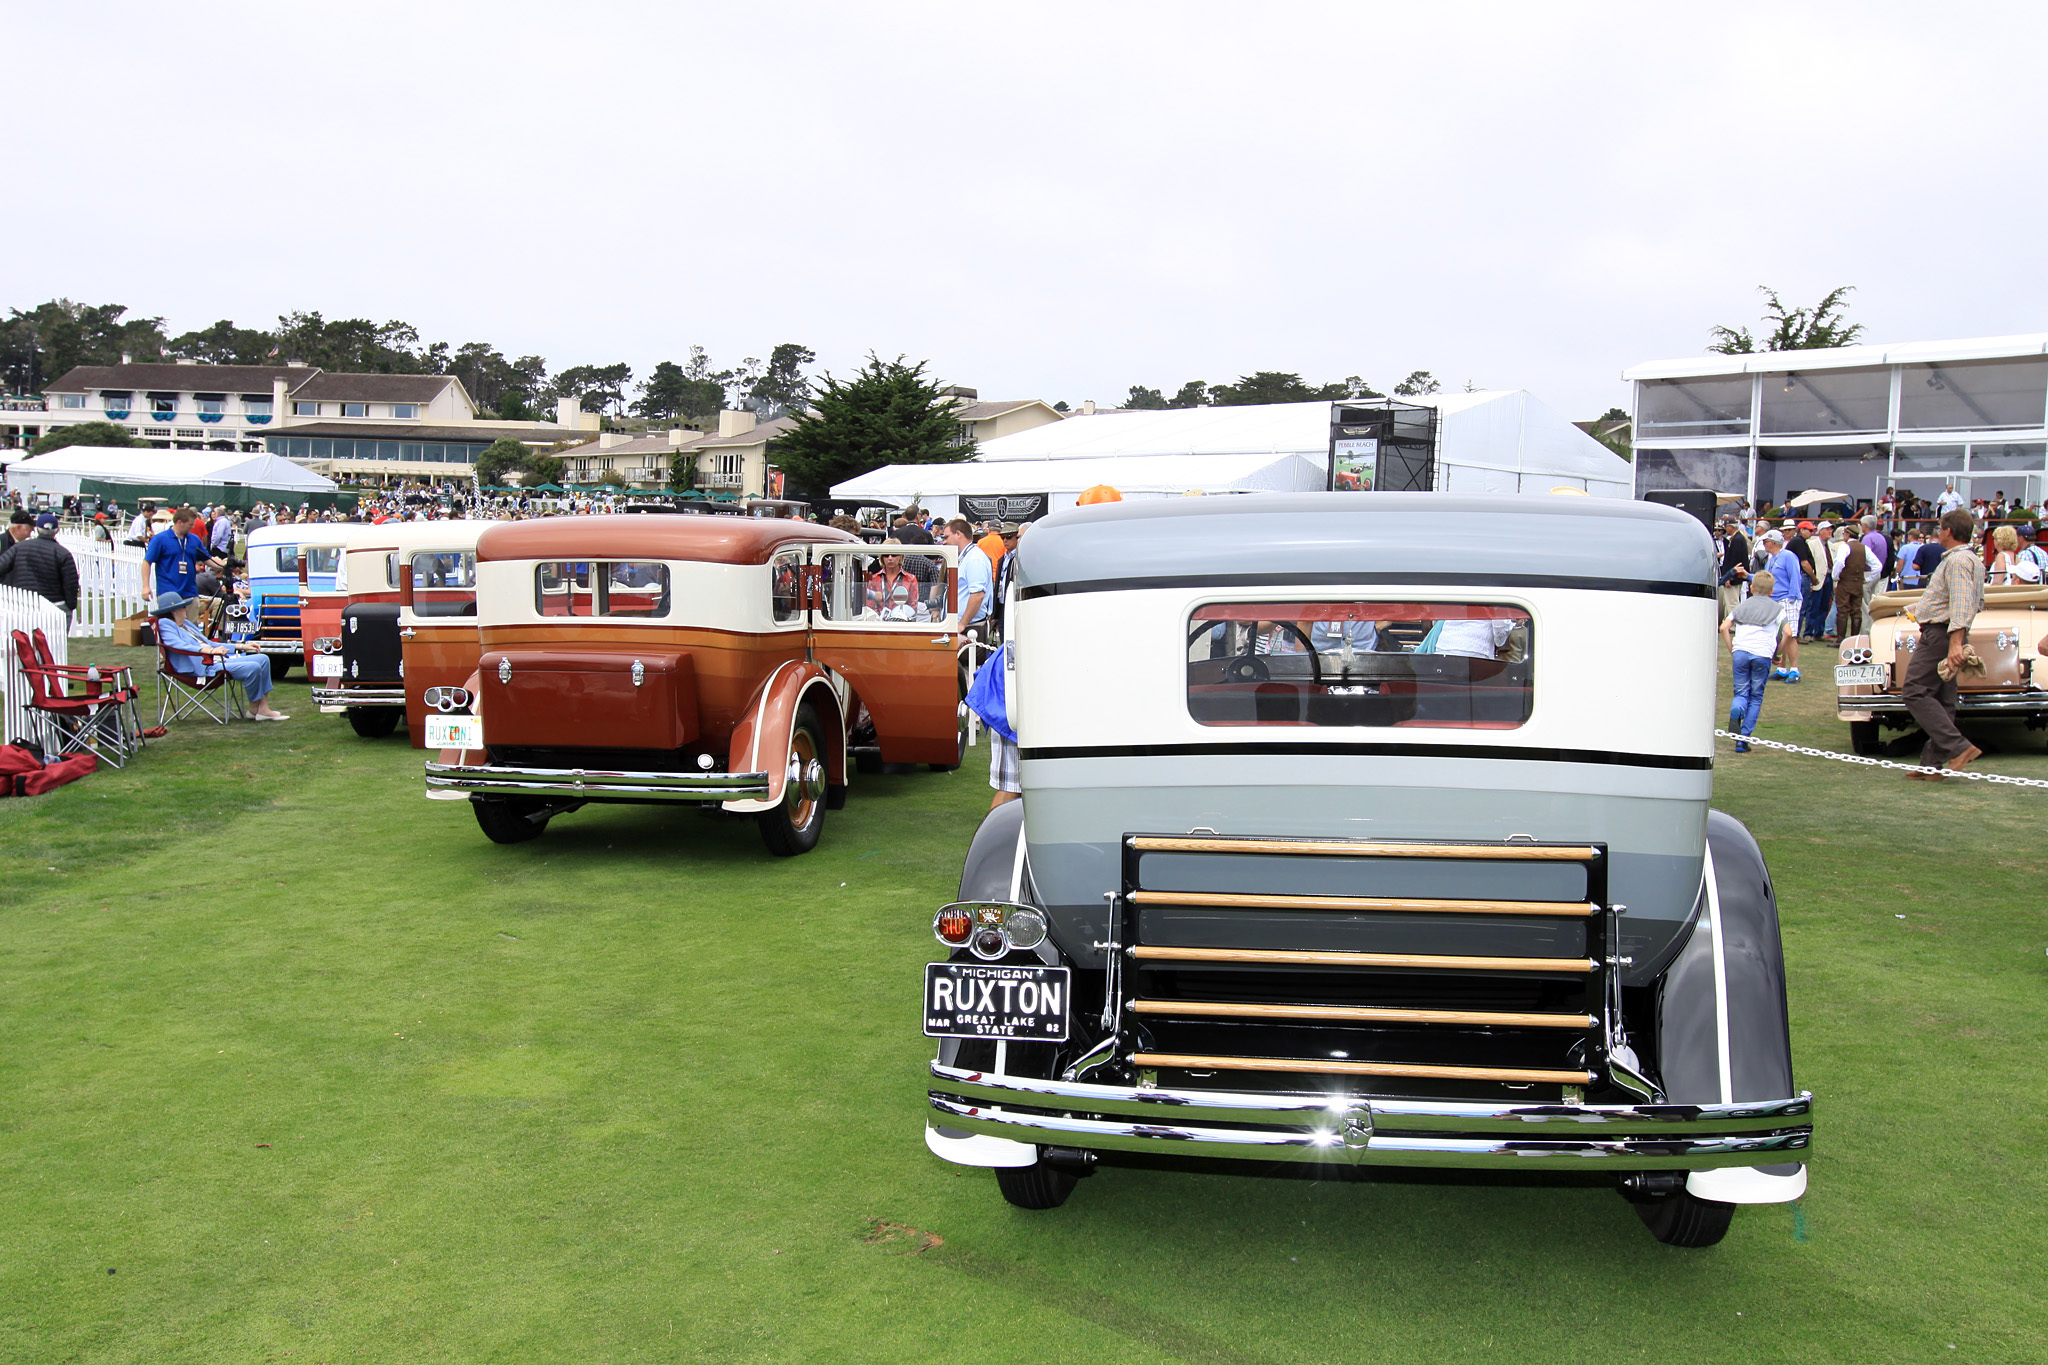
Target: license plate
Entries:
(326, 665)
(455, 732)
(994, 1000)
(1862, 675)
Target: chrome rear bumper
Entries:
(359, 696)
(289, 648)
(592, 784)
(1367, 1131)
(1967, 704)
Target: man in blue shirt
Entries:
(178, 555)
(1788, 576)
(977, 590)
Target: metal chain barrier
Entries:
(1999, 779)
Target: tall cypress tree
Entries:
(888, 413)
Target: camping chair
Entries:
(116, 678)
(97, 721)
(179, 694)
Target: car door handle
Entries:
(407, 633)
(942, 639)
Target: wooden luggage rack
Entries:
(1551, 1022)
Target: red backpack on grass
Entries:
(23, 772)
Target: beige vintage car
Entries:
(2006, 634)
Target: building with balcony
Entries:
(734, 459)
(1852, 419)
(344, 425)
(633, 461)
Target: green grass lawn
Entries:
(295, 1065)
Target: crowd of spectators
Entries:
(1812, 581)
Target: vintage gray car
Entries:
(1343, 845)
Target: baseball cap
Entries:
(1804, 525)
(47, 522)
(2027, 531)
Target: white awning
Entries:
(1167, 475)
(60, 470)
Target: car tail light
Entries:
(327, 644)
(1024, 928)
(990, 929)
(446, 699)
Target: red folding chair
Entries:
(180, 694)
(117, 678)
(95, 721)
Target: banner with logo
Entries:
(1018, 507)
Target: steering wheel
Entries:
(1249, 667)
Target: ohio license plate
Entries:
(455, 732)
(1862, 675)
(993, 1000)
(326, 665)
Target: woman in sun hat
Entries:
(194, 654)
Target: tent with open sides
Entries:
(1490, 441)
(223, 477)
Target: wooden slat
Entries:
(1219, 1009)
(1244, 900)
(1534, 853)
(1318, 1067)
(1290, 957)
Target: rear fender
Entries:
(1723, 1031)
(761, 739)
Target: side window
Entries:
(635, 588)
(1463, 665)
(322, 559)
(785, 587)
(615, 588)
(288, 560)
(885, 585)
(444, 569)
(562, 588)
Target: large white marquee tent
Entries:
(1492, 441)
(59, 473)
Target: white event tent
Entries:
(60, 472)
(1492, 441)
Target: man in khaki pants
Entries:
(1953, 597)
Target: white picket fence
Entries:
(25, 611)
(112, 583)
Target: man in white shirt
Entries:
(1948, 502)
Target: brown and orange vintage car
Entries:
(417, 570)
(742, 662)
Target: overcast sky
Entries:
(1043, 200)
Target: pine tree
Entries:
(888, 413)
